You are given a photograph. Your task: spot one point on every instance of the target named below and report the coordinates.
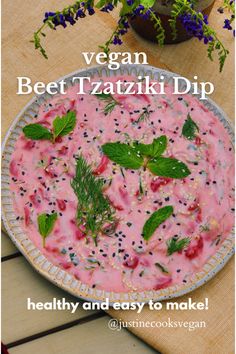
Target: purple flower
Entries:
(138, 10)
(69, 18)
(117, 40)
(58, 19)
(227, 25)
(80, 14)
(91, 10)
(194, 26)
(146, 15)
(107, 8)
(130, 2)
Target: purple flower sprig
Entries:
(229, 6)
(196, 24)
(115, 38)
(69, 15)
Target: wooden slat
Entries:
(19, 282)
(89, 338)
(7, 246)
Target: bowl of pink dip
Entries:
(117, 261)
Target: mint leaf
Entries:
(123, 154)
(155, 220)
(64, 125)
(46, 223)
(157, 147)
(168, 167)
(37, 132)
(189, 128)
(175, 245)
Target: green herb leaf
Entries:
(37, 132)
(162, 268)
(100, 4)
(155, 220)
(168, 167)
(155, 149)
(147, 3)
(64, 125)
(189, 128)
(46, 223)
(93, 208)
(123, 154)
(104, 96)
(175, 245)
(109, 107)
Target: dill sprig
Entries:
(93, 209)
(110, 101)
(144, 116)
(175, 244)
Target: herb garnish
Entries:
(156, 148)
(109, 99)
(189, 128)
(168, 167)
(175, 244)
(46, 223)
(144, 116)
(155, 220)
(136, 155)
(123, 154)
(161, 267)
(61, 126)
(93, 209)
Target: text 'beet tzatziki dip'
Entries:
(125, 192)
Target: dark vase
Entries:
(145, 28)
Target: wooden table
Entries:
(29, 332)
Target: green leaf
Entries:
(157, 147)
(64, 125)
(46, 223)
(189, 128)
(126, 9)
(168, 167)
(175, 245)
(123, 154)
(37, 132)
(100, 4)
(155, 220)
(147, 3)
(103, 96)
(161, 267)
(109, 107)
